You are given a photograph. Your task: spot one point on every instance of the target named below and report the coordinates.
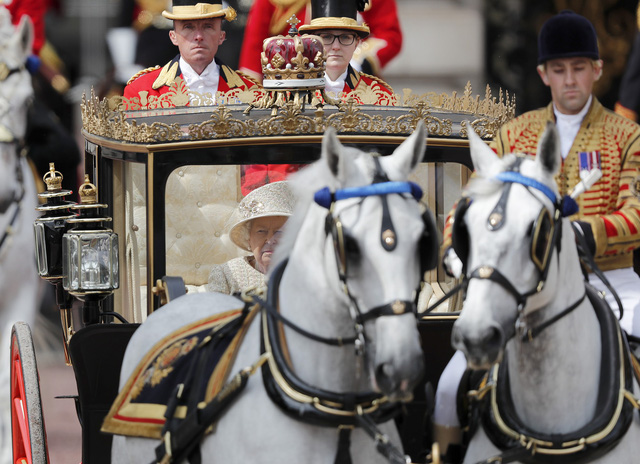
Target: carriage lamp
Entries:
(89, 250)
(51, 226)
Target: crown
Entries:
(88, 192)
(53, 178)
(293, 62)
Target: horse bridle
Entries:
(542, 261)
(381, 186)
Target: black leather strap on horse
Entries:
(310, 404)
(613, 417)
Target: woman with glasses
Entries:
(335, 22)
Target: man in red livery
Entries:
(197, 33)
(591, 136)
(268, 18)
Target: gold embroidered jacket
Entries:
(611, 206)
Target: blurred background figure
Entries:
(269, 17)
(47, 139)
(628, 104)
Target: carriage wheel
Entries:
(27, 423)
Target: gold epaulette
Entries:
(377, 79)
(249, 78)
(140, 73)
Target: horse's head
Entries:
(368, 231)
(503, 232)
(15, 81)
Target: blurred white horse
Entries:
(564, 389)
(19, 282)
(338, 282)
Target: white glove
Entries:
(452, 264)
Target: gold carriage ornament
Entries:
(90, 254)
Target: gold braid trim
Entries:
(167, 75)
(249, 77)
(377, 79)
(140, 73)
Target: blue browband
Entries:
(324, 197)
(517, 178)
(568, 205)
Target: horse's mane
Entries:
(306, 182)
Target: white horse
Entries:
(563, 388)
(19, 282)
(336, 279)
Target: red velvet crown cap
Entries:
(293, 62)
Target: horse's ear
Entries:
(411, 151)
(548, 154)
(24, 35)
(482, 155)
(332, 152)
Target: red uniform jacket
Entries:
(268, 18)
(152, 87)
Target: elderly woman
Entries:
(257, 225)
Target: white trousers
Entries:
(627, 285)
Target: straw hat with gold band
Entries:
(336, 14)
(185, 10)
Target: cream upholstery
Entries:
(198, 203)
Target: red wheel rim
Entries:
(19, 421)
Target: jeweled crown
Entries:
(294, 61)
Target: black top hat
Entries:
(337, 14)
(193, 9)
(567, 35)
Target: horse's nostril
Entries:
(384, 370)
(494, 337)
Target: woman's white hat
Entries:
(274, 199)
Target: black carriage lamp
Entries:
(51, 226)
(89, 254)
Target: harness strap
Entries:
(185, 438)
(343, 453)
(383, 445)
(530, 334)
(396, 308)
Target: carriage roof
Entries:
(220, 139)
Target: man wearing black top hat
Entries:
(335, 21)
(591, 136)
(197, 33)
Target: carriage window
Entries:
(199, 201)
(442, 184)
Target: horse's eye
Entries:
(351, 246)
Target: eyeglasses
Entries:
(344, 39)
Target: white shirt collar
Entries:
(568, 126)
(337, 86)
(202, 83)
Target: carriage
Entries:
(167, 179)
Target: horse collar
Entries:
(312, 405)
(613, 418)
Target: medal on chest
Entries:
(588, 160)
